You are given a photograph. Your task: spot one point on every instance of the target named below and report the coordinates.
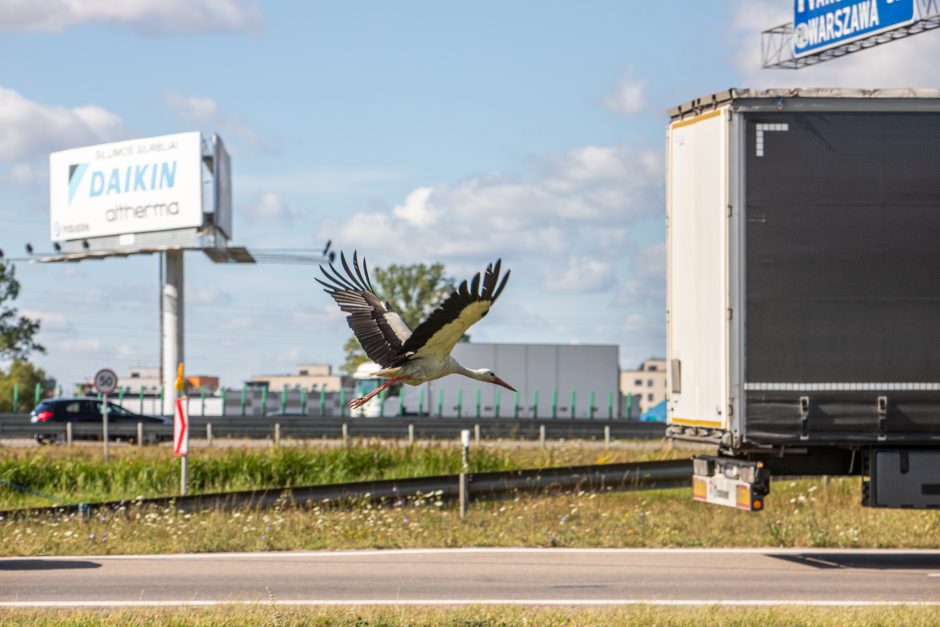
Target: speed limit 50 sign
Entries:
(106, 381)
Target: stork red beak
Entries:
(502, 383)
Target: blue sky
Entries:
(413, 131)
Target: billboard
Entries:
(134, 186)
(822, 24)
(222, 178)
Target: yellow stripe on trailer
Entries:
(698, 118)
(689, 422)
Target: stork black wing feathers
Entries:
(380, 330)
(383, 334)
(457, 303)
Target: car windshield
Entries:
(118, 411)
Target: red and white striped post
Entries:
(181, 428)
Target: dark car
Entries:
(88, 411)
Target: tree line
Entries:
(17, 341)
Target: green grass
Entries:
(804, 513)
(480, 616)
(79, 474)
(798, 514)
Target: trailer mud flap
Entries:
(731, 482)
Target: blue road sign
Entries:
(822, 24)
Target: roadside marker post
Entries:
(464, 494)
(181, 429)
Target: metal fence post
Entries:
(224, 395)
(161, 399)
(610, 405)
(421, 400)
(58, 391)
(202, 399)
(478, 402)
(515, 404)
(120, 394)
(303, 401)
(440, 403)
(264, 400)
(459, 406)
(284, 399)
(322, 401)
(141, 399)
(382, 396)
(630, 405)
(535, 404)
(496, 404)
(573, 403)
(342, 401)
(591, 399)
(244, 400)
(554, 403)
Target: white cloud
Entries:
(147, 17)
(29, 129)
(237, 323)
(328, 313)
(210, 295)
(577, 207)
(583, 274)
(126, 351)
(321, 180)
(205, 113)
(910, 62)
(648, 266)
(270, 206)
(650, 261)
(630, 96)
(49, 320)
(24, 175)
(79, 346)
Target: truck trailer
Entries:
(803, 300)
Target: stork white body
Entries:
(424, 354)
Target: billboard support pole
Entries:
(171, 323)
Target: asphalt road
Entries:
(486, 576)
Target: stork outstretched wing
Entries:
(379, 329)
(444, 327)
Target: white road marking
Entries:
(458, 602)
(457, 551)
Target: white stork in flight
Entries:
(407, 356)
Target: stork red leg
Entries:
(359, 402)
